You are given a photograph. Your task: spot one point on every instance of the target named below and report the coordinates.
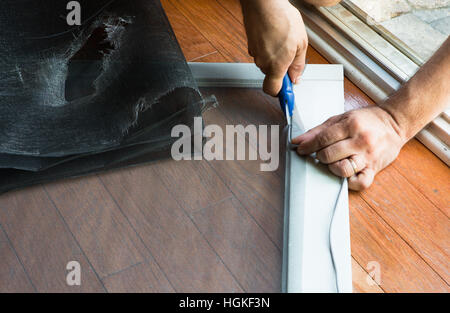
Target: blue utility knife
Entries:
(287, 98)
(287, 102)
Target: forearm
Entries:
(252, 4)
(424, 96)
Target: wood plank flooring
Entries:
(217, 226)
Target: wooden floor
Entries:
(217, 226)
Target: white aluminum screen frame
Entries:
(313, 196)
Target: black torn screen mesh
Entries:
(78, 99)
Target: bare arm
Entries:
(360, 143)
(424, 96)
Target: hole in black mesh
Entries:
(86, 65)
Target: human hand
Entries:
(277, 40)
(357, 144)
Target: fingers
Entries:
(275, 72)
(308, 137)
(344, 167)
(337, 151)
(272, 84)
(273, 81)
(297, 66)
(321, 137)
(310, 134)
(362, 180)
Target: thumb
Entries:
(297, 66)
(272, 84)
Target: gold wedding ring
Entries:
(355, 168)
